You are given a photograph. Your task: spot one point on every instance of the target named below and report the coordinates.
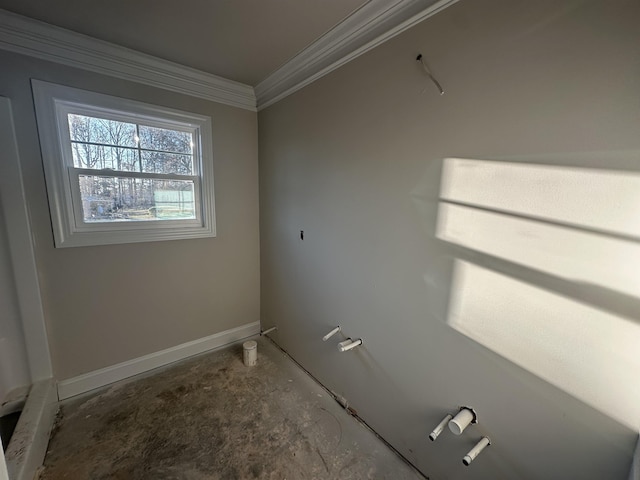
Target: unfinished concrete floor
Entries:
(213, 418)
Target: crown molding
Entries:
(373, 24)
(41, 40)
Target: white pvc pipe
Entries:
(331, 334)
(461, 421)
(349, 344)
(250, 353)
(268, 330)
(438, 430)
(475, 451)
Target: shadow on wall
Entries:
(547, 273)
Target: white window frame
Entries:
(53, 104)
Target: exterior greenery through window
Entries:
(122, 171)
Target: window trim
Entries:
(53, 102)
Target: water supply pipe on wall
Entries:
(268, 330)
(349, 344)
(475, 451)
(438, 430)
(465, 417)
(331, 333)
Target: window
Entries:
(121, 171)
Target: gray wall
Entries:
(108, 304)
(634, 474)
(14, 367)
(355, 161)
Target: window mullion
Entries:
(122, 173)
(138, 147)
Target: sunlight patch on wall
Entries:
(590, 354)
(576, 224)
(601, 199)
(565, 252)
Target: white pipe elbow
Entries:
(349, 344)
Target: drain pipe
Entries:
(462, 420)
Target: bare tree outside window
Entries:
(115, 147)
(122, 171)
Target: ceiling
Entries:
(241, 40)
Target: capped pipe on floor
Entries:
(475, 451)
(331, 333)
(250, 353)
(268, 330)
(349, 344)
(462, 420)
(438, 430)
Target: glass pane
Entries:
(101, 156)
(100, 130)
(116, 199)
(161, 162)
(152, 138)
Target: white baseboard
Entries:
(105, 376)
(29, 441)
